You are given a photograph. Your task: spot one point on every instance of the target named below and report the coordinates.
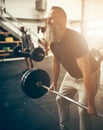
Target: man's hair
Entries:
(62, 12)
(22, 29)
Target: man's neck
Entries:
(60, 35)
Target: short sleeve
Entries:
(80, 46)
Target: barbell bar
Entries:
(39, 84)
(37, 54)
(36, 82)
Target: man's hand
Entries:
(52, 87)
(92, 110)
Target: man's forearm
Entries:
(90, 90)
(55, 73)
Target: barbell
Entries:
(37, 54)
(35, 83)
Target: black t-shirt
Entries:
(26, 41)
(72, 46)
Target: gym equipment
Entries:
(17, 51)
(35, 83)
(29, 81)
(36, 54)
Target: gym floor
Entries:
(19, 112)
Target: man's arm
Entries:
(55, 73)
(84, 65)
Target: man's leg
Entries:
(85, 118)
(62, 104)
(27, 62)
(30, 63)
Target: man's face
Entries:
(22, 29)
(53, 26)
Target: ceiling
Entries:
(92, 8)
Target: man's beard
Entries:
(52, 32)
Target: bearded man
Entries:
(70, 49)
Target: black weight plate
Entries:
(30, 80)
(38, 54)
(17, 51)
(24, 76)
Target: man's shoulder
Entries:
(72, 31)
(28, 36)
(75, 35)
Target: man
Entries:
(71, 50)
(27, 46)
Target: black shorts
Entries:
(27, 53)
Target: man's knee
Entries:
(61, 101)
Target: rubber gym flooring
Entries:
(19, 112)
